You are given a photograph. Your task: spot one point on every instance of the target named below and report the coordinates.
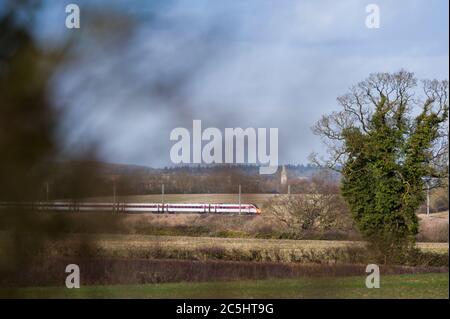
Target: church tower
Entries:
(283, 180)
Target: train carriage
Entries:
(155, 208)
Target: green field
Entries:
(392, 286)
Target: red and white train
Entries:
(155, 208)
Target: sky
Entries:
(146, 67)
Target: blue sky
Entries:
(160, 64)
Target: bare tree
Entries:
(322, 208)
(402, 96)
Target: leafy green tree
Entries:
(386, 140)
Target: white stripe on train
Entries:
(178, 208)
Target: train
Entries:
(155, 208)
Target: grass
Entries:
(231, 249)
(443, 215)
(202, 248)
(392, 286)
(434, 227)
(121, 242)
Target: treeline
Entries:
(79, 179)
(300, 170)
